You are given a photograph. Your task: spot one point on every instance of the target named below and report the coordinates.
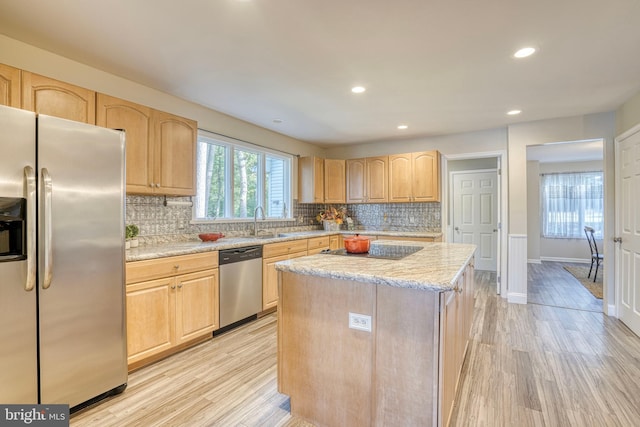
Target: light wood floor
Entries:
(550, 284)
(528, 365)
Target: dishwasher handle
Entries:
(229, 256)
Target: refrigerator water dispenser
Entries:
(13, 229)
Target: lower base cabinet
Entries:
(271, 254)
(171, 303)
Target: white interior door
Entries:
(628, 228)
(475, 214)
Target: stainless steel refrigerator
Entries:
(62, 315)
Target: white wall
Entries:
(628, 115)
(592, 126)
(460, 143)
(533, 210)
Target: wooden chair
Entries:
(596, 256)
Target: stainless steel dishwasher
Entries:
(240, 284)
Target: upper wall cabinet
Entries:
(310, 179)
(10, 86)
(414, 177)
(55, 98)
(161, 147)
(367, 180)
(115, 113)
(174, 154)
(334, 181)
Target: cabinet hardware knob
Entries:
(151, 184)
(177, 266)
(180, 285)
(173, 287)
(157, 185)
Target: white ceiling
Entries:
(439, 66)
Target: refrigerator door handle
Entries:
(48, 231)
(30, 187)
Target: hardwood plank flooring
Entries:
(527, 365)
(550, 284)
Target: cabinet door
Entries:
(356, 187)
(426, 176)
(270, 281)
(9, 86)
(150, 318)
(400, 178)
(449, 343)
(376, 179)
(135, 119)
(197, 305)
(335, 243)
(334, 181)
(174, 154)
(55, 98)
(311, 179)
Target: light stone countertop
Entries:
(193, 247)
(436, 267)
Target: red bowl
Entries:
(357, 244)
(210, 237)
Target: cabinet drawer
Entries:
(138, 271)
(319, 242)
(284, 248)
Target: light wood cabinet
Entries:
(335, 242)
(174, 154)
(136, 120)
(456, 319)
(171, 303)
(334, 181)
(55, 98)
(414, 177)
(311, 179)
(367, 180)
(161, 147)
(318, 244)
(10, 86)
(271, 254)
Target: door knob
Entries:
(617, 239)
(457, 228)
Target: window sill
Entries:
(239, 220)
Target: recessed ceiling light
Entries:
(514, 112)
(358, 89)
(402, 127)
(524, 52)
(277, 120)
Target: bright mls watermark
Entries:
(34, 415)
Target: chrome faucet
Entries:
(255, 219)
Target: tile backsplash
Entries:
(160, 223)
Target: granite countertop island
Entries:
(366, 341)
(436, 267)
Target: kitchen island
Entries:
(373, 341)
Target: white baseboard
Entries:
(559, 259)
(517, 298)
(534, 261)
(611, 310)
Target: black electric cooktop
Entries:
(379, 251)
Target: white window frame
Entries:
(230, 145)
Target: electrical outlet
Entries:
(412, 220)
(361, 322)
